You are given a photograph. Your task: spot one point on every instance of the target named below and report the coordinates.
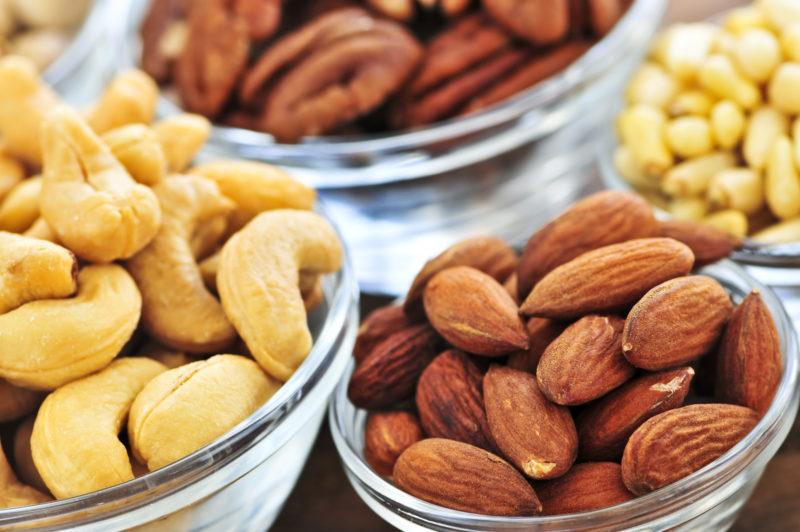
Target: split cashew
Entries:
(130, 98)
(137, 148)
(181, 137)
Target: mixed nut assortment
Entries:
(39, 29)
(314, 67)
(710, 128)
(593, 369)
(124, 271)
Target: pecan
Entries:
(262, 16)
(215, 55)
(158, 27)
(604, 14)
(538, 21)
(405, 10)
(328, 73)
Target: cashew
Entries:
(32, 269)
(47, 343)
(11, 174)
(209, 235)
(170, 358)
(23, 459)
(255, 188)
(88, 198)
(170, 417)
(21, 206)
(75, 443)
(177, 309)
(24, 103)
(181, 137)
(130, 98)
(41, 229)
(258, 283)
(14, 493)
(16, 402)
(137, 148)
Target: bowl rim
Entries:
(699, 484)
(342, 296)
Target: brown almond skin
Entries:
(463, 477)
(585, 362)
(474, 313)
(585, 487)
(676, 443)
(676, 322)
(488, 254)
(749, 359)
(537, 436)
(378, 326)
(604, 218)
(450, 400)
(510, 285)
(605, 426)
(541, 333)
(708, 244)
(608, 279)
(389, 374)
(386, 436)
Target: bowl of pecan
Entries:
(620, 374)
(421, 126)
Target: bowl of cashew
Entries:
(170, 332)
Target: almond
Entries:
(510, 284)
(386, 436)
(708, 244)
(605, 426)
(536, 435)
(541, 332)
(598, 220)
(749, 359)
(585, 487)
(474, 313)
(585, 362)
(487, 254)
(676, 322)
(676, 443)
(390, 372)
(450, 400)
(608, 279)
(378, 326)
(463, 477)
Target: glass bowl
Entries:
(241, 480)
(709, 499)
(503, 171)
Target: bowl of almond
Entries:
(621, 373)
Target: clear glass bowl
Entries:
(709, 499)
(504, 171)
(241, 480)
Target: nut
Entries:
(749, 357)
(23, 459)
(605, 426)
(83, 418)
(676, 443)
(47, 343)
(608, 279)
(97, 210)
(377, 327)
(405, 10)
(130, 98)
(542, 443)
(11, 174)
(157, 31)
(16, 402)
(585, 362)
(169, 418)
(707, 243)
(450, 400)
(386, 436)
(463, 477)
(676, 322)
(137, 147)
(258, 283)
(541, 22)
(541, 333)
(473, 312)
(262, 16)
(181, 137)
(585, 487)
(14, 493)
(20, 209)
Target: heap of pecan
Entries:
(318, 67)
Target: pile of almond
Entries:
(559, 381)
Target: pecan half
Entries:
(215, 55)
(162, 22)
(262, 16)
(538, 21)
(328, 73)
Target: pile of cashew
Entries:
(136, 288)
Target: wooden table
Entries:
(324, 500)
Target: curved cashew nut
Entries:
(170, 417)
(47, 343)
(12, 491)
(11, 174)
(258, 282)
(75, 443)
(88, 198)
(41, 230)
(32, 269)
(130, 98)
(177, 309)
(181, 137)
(20, 209)
(138, 149)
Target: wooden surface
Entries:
(324, 500)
